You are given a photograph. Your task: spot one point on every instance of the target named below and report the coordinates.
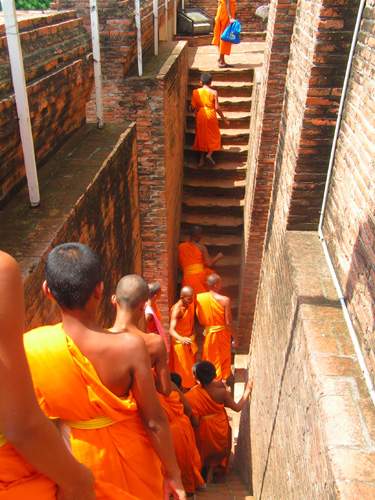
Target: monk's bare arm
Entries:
(176, 314)
(152, 414)
(228, 319)
(21, 420)
(210, 261)
(230, 403)
(228, 11)
(219, 111)
(163, 376)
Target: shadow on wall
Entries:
(360, 290)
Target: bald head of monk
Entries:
(214, 282)
(132, 292)
(187, 295)
(196, 233)
(74, 277)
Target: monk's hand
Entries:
(185, 340)
(235, 344)
(231, 20)
(176, 487)
(81, 486)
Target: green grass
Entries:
(32, 4)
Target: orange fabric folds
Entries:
(221, 22)
(207, 131)
(191, 261)
(214, 433)
(217, 342)
(19, 481)
(184, 355)
(69, 388)
(187, 454)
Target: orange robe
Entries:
(214, 435)
(18, 479)
(107, 433)
(207, 131)
(184, 355)
(217, 342)
(187, 454)
(221, 22)
(191, 261)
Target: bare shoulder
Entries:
(176, 309)
(128, 343)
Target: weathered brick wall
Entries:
(156, 102)
(266, 114)
(306, 105)
(245, 12)
(89, 192)
(349, 224)
(58, 68)
(312, 421)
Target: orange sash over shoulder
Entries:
(217, 342)
(184, 355)
(187, 454)
(214, 432)
(191, 261)
(107, 434)
(18, 479)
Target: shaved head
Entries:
(213, 279)
(195, 230)
(186, 291)
(131, 291)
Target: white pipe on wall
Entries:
(344, 306)
(97, 63)
(156, 26)
(22, 103)
(166, 20)
(139, 36)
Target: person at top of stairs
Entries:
(101, 385)
(195, 261)
(214, 314)
(225, 14)
(184, 346)
(205, 104)
(208, 401)
(154, 322)
(133, 289)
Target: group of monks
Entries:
(205, 100)
(91, 412)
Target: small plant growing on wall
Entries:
(31, 4)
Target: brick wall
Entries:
(58, 71)
(266, 113)
(89, 193)
(156, 102)
(245, 12)
(349, 225)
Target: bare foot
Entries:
(210, 159)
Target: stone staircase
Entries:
(213, 197)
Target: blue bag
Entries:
(232, 33)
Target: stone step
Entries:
(191, 200)
(240, 104)
(220, 167)
(237, 119)
(214, 183)
(214, 240)
(231, 89)
(225, 74)
(228, 136)
(228, 152)
(212, 220)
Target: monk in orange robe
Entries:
(208, 401)
(188, 457)
(184, 346)
(205, 104)
(100, 385)
(214, 314)
(34, 461)
(225, 14)
(195, 261)
(128, 299)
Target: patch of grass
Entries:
(32, 4)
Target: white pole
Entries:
(175, 17)
(156, 26)
(183, 4)
(22, 103)
(166, 20)
(139, 36)
(97, 64)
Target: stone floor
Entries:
(244, 55)
(232, 489)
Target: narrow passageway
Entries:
(213, 196)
